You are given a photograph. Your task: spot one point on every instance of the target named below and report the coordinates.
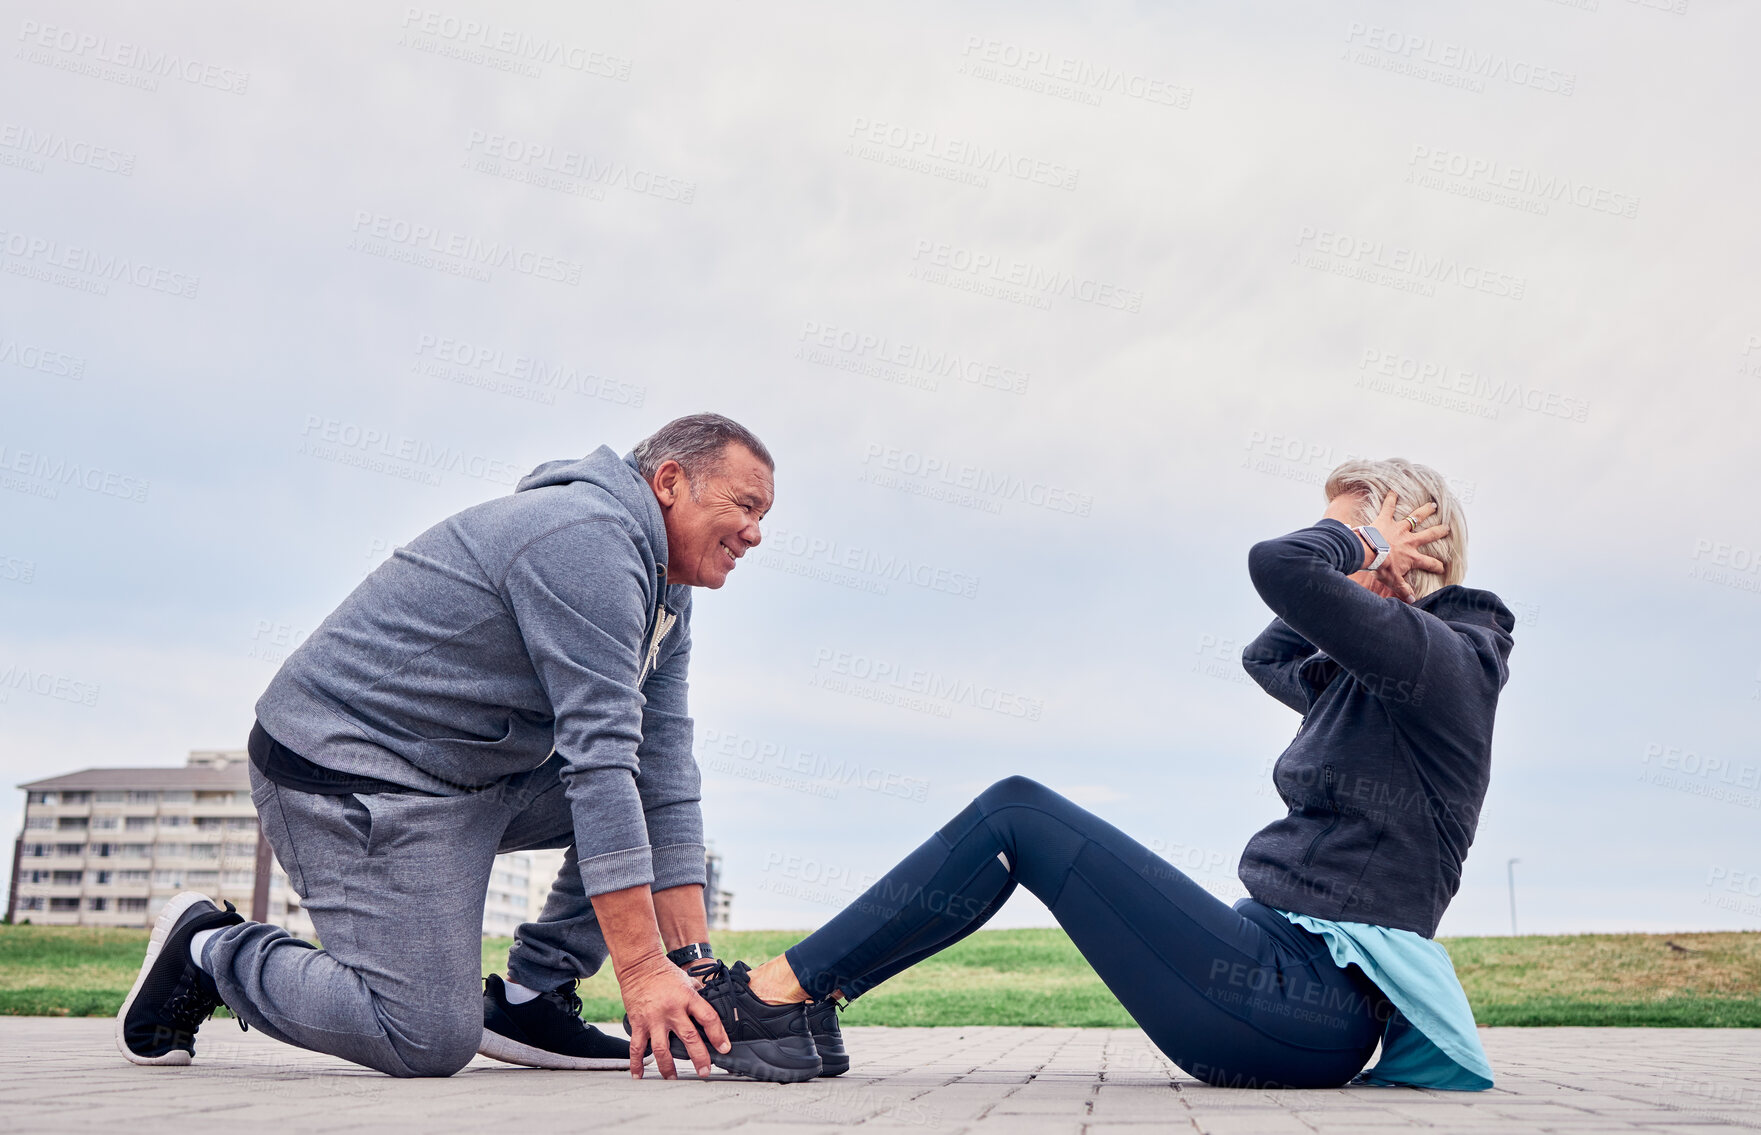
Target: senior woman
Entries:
(1396, 669)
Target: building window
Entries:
(65, 878)
(201, 880)
(103, 878)
(214, 797)
(108, 823)
(138, 823)
(31, 902)
(127, 877)
(174, 821)
(241, 851)
(76, 797)
(178, 796)
(107, 797)
(138, 797)
(210, 823)
(238, 878)
(41, 798)
(71, 823)
(33, 876)
(240, 823)
(134, 906)
(98, 904)
(69, 849)
(168, 878)
(60, 905)
(38, 823)
(36, 849)
(133, 850)
(204, 851)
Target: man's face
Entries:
(713, 520)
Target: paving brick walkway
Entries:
(65, 1076)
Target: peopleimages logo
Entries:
(1023, 277)
(99, 56)
(513, 44)
(42, 475)
(462, 249)
(938, 688)
(988, 485)
(881, 141)
(1452, 63)
(47, 685)
(883, 567)
(1415, 266)
(86, 269)
(347, 443)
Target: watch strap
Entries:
(691, 952)
(1376, 542)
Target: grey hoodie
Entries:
(534, 621)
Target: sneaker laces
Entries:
(705, 968)
(191, 1005)
(566, 998)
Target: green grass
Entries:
(1036, 977)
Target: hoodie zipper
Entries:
(1326, 779)
(662, 622)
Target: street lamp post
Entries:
(1510, 873)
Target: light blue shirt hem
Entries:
(1431, 1042)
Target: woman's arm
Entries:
(1274, 660)
(1304, 579)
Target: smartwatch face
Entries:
(1375, 538)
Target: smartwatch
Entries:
(1378, 545)
(692, 952)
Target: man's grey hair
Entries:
(698, 442)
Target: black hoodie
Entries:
(1387, 773)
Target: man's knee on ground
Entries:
(438, 1049)
(436, 1059)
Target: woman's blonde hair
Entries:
(1412, 485)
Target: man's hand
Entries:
(662, 1001)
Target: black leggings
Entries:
(1238, 997)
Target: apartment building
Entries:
(108, 847)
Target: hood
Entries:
(617, 476)
(1467, 606)
(1455, 605)
(1458, 604)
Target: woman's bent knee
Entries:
(1015, 790)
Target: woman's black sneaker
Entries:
(765, 1042)
(546, 1032)
(172, 996)
(822, 1023)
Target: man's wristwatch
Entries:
(693, 952)
(1377, 544)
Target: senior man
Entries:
(513, 678)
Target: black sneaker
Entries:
(766, 1042)
(546, 1032)
(822, 1023)
(172, 997)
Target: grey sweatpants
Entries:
(395, 886)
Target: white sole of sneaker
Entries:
(498, 1047)
(161, 929)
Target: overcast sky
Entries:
(1047, 317)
